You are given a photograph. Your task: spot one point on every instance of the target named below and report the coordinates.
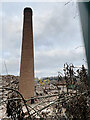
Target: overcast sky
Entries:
(57, 36)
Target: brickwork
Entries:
(26, 84)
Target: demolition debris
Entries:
(67, 98)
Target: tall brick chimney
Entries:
(26, 84)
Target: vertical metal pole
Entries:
(89, 42)
(84, 8)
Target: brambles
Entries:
(77, 108)
(14, 108)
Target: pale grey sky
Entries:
(56, 30)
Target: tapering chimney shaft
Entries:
(26, 84)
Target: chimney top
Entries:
(27, 10)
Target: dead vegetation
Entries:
(66, 99)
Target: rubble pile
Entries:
(66, 98)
